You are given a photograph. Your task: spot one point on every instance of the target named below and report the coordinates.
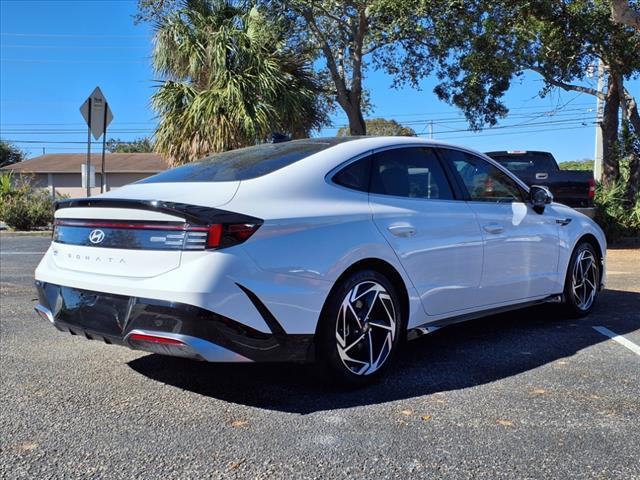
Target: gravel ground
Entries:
(521, 395)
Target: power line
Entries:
(66, 132)
(68, 35)
(529, 107)
(515, 134)
(437, 121)
(71, 123)
(29, 60)
(553, 127)
(589, 125)
(525, 125)
(70, 142)
(88, 47)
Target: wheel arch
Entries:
(590, 238)
(593, 241)
(380, 266)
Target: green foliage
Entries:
(22, 207)
(10, 154)
(480, 47)
(615, 214)
(618, 204)
(231, 80)
(381, 127)
(577, 165)
(343, 39)
(139, 145)
(6, 184)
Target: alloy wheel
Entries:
(584, 280)
(365, 328)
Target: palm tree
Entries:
(229, 81)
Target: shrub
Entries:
(22, 207)
(617, 216)
(618, 204)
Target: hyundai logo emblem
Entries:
(96, 236)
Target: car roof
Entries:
(359, 145)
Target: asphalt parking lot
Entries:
(521, 395)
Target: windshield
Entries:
(530, 162)
(245, 163)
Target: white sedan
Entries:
(330, 250)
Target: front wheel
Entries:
(582, 281)
(360, 329)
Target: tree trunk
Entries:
(357, 125)
(622, 12)
(609, 126)
(630, 109)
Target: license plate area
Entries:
(98, 312)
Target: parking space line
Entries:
(618, 338)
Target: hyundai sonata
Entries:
(327, 250)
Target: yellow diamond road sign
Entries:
(94, 113)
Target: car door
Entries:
(436, 238)
(520, 245)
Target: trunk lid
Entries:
(137, 231)
(211, 194)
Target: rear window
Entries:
(526, 162)
(245, 163)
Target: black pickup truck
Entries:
(574, 188)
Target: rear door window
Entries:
(410, 172)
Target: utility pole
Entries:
(103, 180)
(598, 160)
(431, 129)
(88, 175)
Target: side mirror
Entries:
(539, 196)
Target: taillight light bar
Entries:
(592, 188)
(180, 235)
(122, 225)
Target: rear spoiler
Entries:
(194, 214)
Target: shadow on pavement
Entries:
(460, 356)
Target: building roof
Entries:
(71, 162)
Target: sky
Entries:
(54, 53)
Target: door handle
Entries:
(493, 228)
(402, 230)
(563, 221)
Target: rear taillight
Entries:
(222, 235)
(151, 235)
(592, 188)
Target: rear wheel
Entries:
(582, 281)
(360, 329)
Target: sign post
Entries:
(98, 115)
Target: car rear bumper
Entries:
(165, 327)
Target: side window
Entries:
(355, 175)
(483, 181)
(409, 172)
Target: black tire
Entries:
(331, 352)
(579, 301)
